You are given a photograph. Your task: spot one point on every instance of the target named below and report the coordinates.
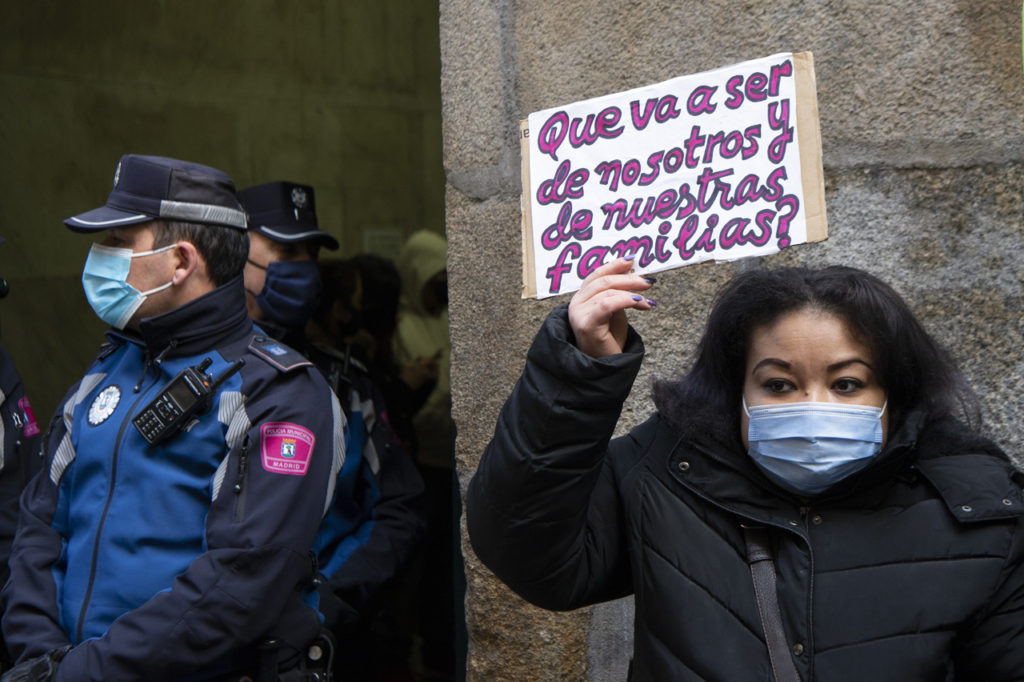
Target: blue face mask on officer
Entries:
(105, 281)
(290, 292)
(809, 447)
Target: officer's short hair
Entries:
(223, 248)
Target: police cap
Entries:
(151, 187)
(284, 212)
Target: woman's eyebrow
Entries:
(844, 363)
(776, 362)
(771, 361)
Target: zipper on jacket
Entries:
(44, 441)
(240, 481)
(793, 528)
(19, 462)
(103, 516)
(316, 580)
(807, 518)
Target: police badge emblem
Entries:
(104, 404)
(286, 448)
(299, 197)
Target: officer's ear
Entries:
(188, 261)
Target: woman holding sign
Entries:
(805, 503)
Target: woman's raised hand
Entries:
(597, 312)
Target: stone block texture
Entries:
(923, 143)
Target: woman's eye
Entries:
(777, 386)
(847, 385)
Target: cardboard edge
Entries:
(809, 134)
(529, 278)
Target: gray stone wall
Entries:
(921, 121)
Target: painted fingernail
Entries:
(650, 280)
(651, 303)
(637, 298)
(629, 255)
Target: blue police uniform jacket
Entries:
(173, 560)
(372, 528)
(19, 455)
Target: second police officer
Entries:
(372, 528)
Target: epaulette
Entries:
(112, 344)
(346, 357)
(276, 354)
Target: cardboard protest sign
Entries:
(718, 165)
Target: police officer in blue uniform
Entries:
(372, 528)
(169, 534)
(19, 454)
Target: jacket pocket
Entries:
(241, 489)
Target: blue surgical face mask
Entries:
(809, 447)
(290, 293)
(105, 280)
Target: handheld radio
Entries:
(187, 394)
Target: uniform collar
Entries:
(205, 323)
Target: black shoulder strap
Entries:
(762, 570)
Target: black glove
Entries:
(39, 669)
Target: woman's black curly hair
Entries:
(915, 371)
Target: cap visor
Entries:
(305, 236)
(103, 218)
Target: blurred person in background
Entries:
(422, 354)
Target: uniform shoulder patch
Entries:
(285, 448)
(276, 354)
(29, 426)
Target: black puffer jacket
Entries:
(914, 570)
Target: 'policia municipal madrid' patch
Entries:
(286, 448)
(104, 404)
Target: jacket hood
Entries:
(972, 474)
(724, 446)
(423, 255)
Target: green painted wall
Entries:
(342, 95)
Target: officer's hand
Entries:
(597, 312)
(39, 669)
